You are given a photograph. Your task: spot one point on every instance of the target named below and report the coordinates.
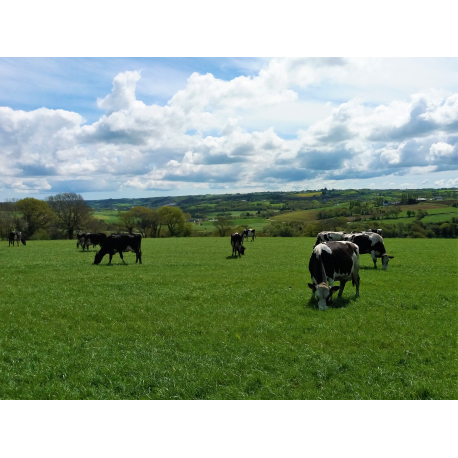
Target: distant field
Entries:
(309, 216)
(299, 215)
(192, 322)
(426, 219)
(432, 209)
(308, 194)
(254, 223)
(234, 214)
(109, 216)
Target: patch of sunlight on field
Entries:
(309, 194)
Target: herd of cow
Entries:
(335, 255)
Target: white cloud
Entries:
(440, 149)
(452, 183)
(122, 96)
(201, 137)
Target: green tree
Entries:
(71, 210)
(36, 213)
(396, 210)
(127, 221)
(173, 218)
(141, 218)
(223, 226)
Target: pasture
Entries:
(436, 212)
(192, 322)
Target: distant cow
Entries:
(237, 244)
(90, 238)
(328, 236)
(329, 262)
(15, 236)
(370, 242)
(249, 233)
(120, 243)
(79, 239)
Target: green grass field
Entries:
(192, 322)
(109, 216)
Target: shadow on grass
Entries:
(233, 257)
(338, 302)
(113, 264)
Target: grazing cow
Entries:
(329, 262)
(79, 239)
(120, 243)
(370, 242)
(15, 236)
(237, 244)
(249, 233)
(93, 239)
(328, 236)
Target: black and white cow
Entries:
(329, 262)
(91, 238)
(370, 242)
(329, 236)
(15, 236)
(249, 233)
(120, 243)
(237, 244)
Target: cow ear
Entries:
(391, 257)
(334, 289)
(311, 286)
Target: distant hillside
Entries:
(199, 206)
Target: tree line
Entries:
(63, 215)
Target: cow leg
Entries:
(374, 258)
(120, 254)
(342, 286)
(139, 257)
(111, 257)
(331, 284)
(357, 285)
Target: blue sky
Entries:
(148, 126)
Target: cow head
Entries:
(242, 250)
(98, 257)
(23, 240)
(323, 294)
(385, 259)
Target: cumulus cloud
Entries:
(440, 149)
(201, 137)
(447, 183)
